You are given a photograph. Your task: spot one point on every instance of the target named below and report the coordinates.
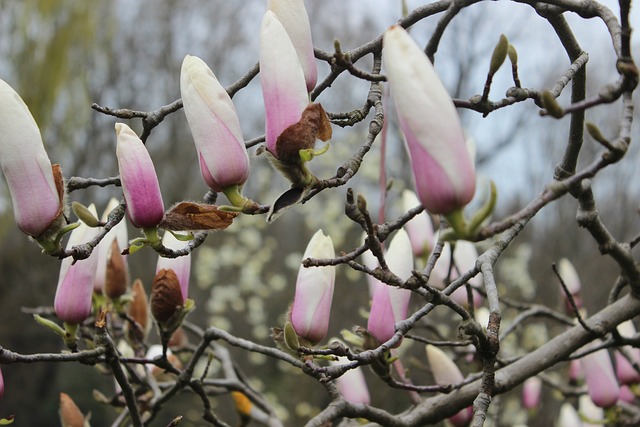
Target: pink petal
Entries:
(26, 165)
(295, 20)
(214, 125)
(139, 181)
(441, 164)
(311, 307)
(283, 84)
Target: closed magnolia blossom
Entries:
(390, 304)
(180, 265)
(419, 228)
(1, 384)
(72, 301)
(531, 393)
(351, 384)
(36, 193)
(369, 260)
(590, 412)
(568, 416)
(571, 279)
(295, 20)
(625, 371)
(601, 380)
(311, 308)
(445, 372)
(282, 78)
(140, 186)
(465, 255)
(442, 167)
(214, 124)
(112, 266)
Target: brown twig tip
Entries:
(101, 320)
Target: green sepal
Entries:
(85, 215)
(457, 222)
(182, 237)
(57, 329)
(50, 246)
(291, 337)
(352, 338)
(485, 210)
(308, 154)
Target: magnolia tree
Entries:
(104, 320)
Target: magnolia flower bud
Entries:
(1, 384)
(166, 296)
(464, 257)
(443, 171)
(445, 372)
(75, 284)
(311, 308)
(138, 312)
(531, 393)
(571, 279)
(625, 371)
(158, 373)
(36, 189)
(214, 125)
(626, 395)
(70, 415)
(390, 304)
(568, 416)
(352, 385)
(181, 265)
(293, 16)
(601, 380)
(283, 83)
(419, 228)
(112, 266)
(589, 411)
(139, 181)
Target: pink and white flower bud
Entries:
(352, 385)
(105, 248)
(390, 304)
(575, 374)
(1, 384)
(26, 166)
(464, 258)
(419, 228)
(311, 308)
(214, 125)
(626, 395)
(295, 20)
(531, 393)
(602, 383)
(446, 372)
(282, 78)
(568, 416)
(625, 371)
(571, 279)
(180, 265)
(139, 180)
(442, 167)
(369, 260)
(72, 301)
(590, 412)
